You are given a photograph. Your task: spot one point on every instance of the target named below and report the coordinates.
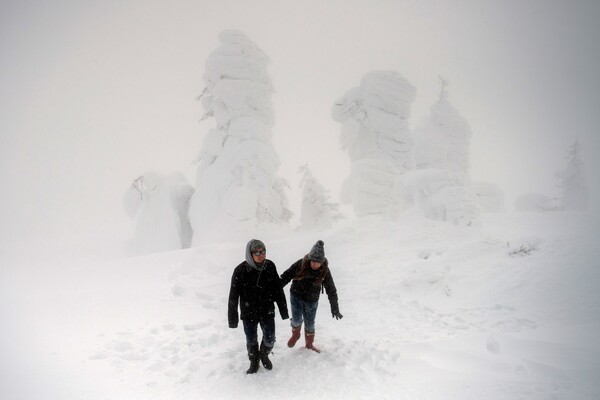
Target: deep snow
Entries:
(508, 310)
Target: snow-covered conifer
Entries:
(317, 212)
(442, 149)
(442, 139)
(236, 181)
(374, 118)
(441, 195)
(572, 182)
(159, 205)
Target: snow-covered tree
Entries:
(374, 118)
(442, 139)
(444, 191)
(572, 182)
(159, 205)
(317, 212)
(236, 181)
(441, 195)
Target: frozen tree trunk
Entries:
(572, 182)
(237, 187)
(374, 118)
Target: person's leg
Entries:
(251, 331)
(268, 330)
(267, 343)
(297, 312)
(310, 315)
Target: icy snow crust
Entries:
(508, 310)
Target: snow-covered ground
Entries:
(509, 310)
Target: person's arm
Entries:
(288, 275)
(331, 291)
(280, 295)
(234, 298)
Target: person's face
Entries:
(259, 256)
(315, 265)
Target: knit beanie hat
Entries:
(256, 244)
(251, 247)
(317, 253)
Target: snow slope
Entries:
(509, 310)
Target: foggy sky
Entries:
(93, 94)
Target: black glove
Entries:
(336, 315)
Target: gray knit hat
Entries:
(252, 246)
(317, 253)
(256, 244)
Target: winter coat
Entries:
(255, 291)
(307, 283)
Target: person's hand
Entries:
(233, 326)
(336, 315)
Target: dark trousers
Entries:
(268, 331)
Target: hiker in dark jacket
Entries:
(309, 274)
(255, 286)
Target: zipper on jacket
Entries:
(258, 280)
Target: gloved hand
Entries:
(336, 315)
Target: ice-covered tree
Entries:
(317, 211)
(374, 118)
(572, 182)
(442, 139)
(236, 181)
(444, 191)
(159, 205)
(441, 195)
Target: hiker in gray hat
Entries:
(255, 286)
(309, 274)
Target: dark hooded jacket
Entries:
(307, 283)
(255, 289)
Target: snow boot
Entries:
(254, 357)
(295, 336)
(264, 356)
(309, 337)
